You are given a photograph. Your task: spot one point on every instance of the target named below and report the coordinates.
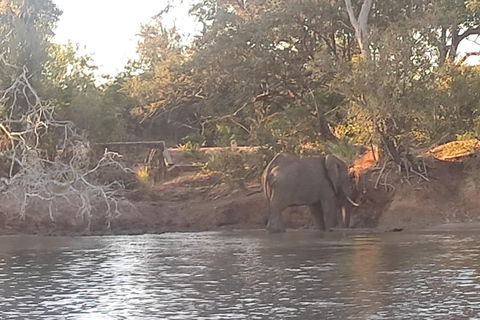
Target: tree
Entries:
(26, 27)
(46, 156)
(69, 79)
(398, 86)
(161, 84)
(267, 50)
(284, 73)
(360, 25)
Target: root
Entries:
(406, 169)
(380, 175)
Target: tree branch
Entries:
(360, 25)
(466, 56)
(467, 33)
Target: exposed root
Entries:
(406, 170)
(380, 175)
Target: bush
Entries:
(142, 174)
(239, 167)
(191, 149)
(343, 150)
(193, 139)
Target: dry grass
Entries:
(142, 174)
(455, 150)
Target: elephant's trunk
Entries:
(352, 202)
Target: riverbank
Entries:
(191, 203)
(196, 201)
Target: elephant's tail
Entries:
(265, 186)
(268, 177)
(268, 181)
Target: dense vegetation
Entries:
(286, 74)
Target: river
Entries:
(242, 275)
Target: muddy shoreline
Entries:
(196, 202)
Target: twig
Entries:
(380, 175)
(425, 171)
(385, 180)
(420, 175)
(373, 153)
(407, 168)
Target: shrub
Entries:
(239, 167)
(343, 150)
(191, 149)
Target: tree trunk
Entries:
(360, 25)
(443, 46)
(323, 126)
(455, 42)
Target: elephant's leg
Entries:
(331, 212)
(275, 223)
(317, 214)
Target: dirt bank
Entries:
(193, 201)
(398, 203)
(189, 203)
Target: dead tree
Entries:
(68, 176)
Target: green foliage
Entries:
(193, 138)
(70, 80)
(284, 75)
(238, 168)
(26, 27)
(456, 101)
(343, 150)
(227, 133)
(191, 149)
(357, 127)
(159, 83)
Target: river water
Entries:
(242, 275)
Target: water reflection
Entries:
(241, 275)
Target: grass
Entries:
(142, 174)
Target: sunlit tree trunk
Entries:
(360, 25)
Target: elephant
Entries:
(321, 183)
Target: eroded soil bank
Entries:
(194, 201)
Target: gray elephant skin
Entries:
(321, 183)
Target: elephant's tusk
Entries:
(353, 202)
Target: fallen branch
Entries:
(69, 178)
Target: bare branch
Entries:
(70, 177)
(467, 33)
(466, 56)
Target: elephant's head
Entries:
(339, 176)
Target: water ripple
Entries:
(241, 275)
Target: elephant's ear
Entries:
(332, 164)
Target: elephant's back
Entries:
(283, 158)
(280, 160)
(284, 166)
(275, 169)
